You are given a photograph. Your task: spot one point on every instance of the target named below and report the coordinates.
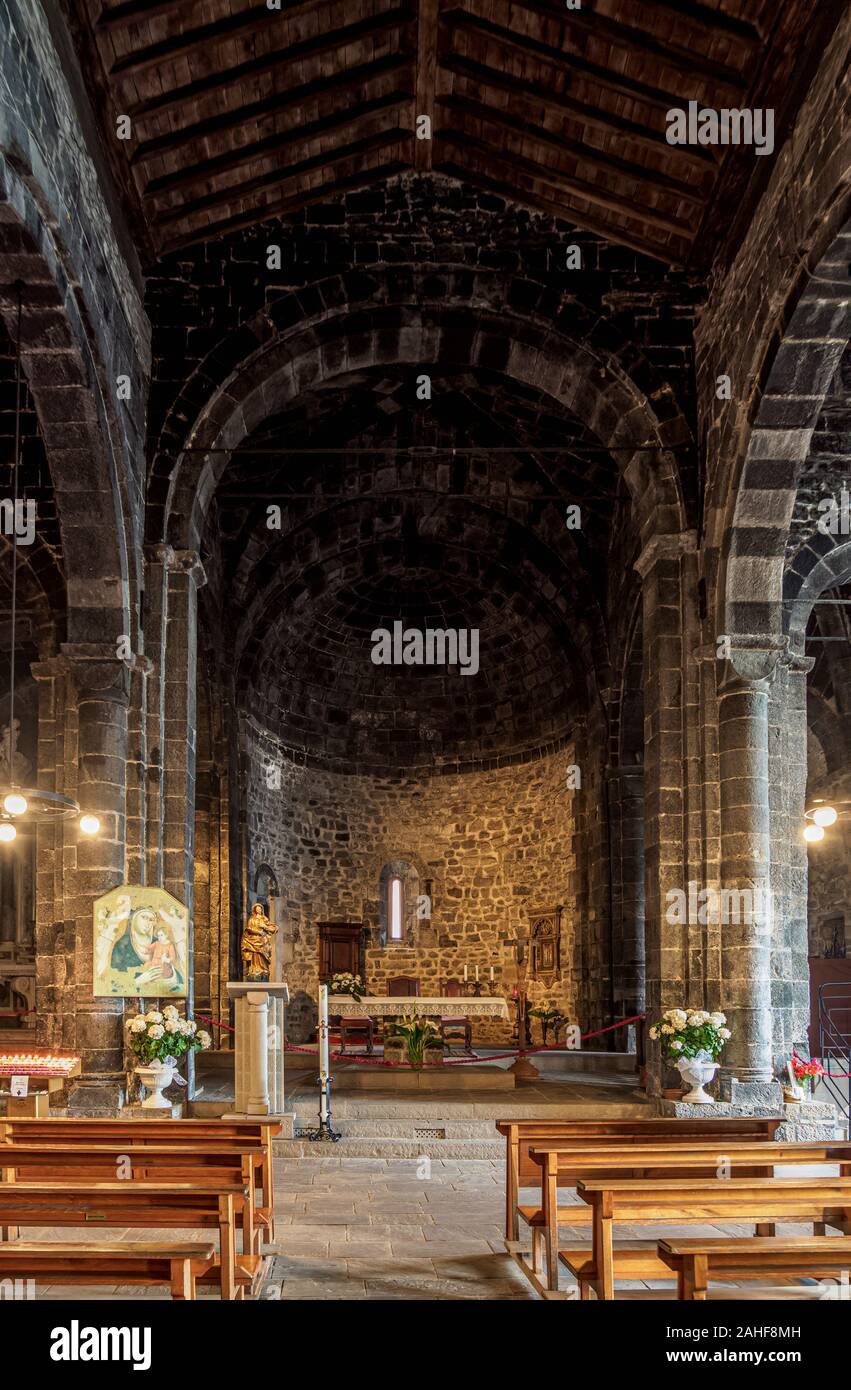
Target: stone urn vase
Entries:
(697, 1072)
(155, 1079)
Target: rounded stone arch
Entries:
(800, 594)
(829, 732)
(795, 387)
(418, 318)
(76, 419)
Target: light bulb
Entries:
(15, 804)
(90, 825)
(825, 815)
(813, 833)
(7, 832)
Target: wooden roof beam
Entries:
(371, 28)
(274, 177)
(570, 185)
(427, 17)
(638, 41)
(293, 202)
(613, 164)
(242, 155)
(276, 104)
(523, 46)
(606, 122)
(540, 202)
(228, 26)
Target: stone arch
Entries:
(800, 594)
(797, 382)
(80, 432)
(417, 318)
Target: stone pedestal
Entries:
(259, 1049)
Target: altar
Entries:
(431, 1006)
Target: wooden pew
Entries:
(235, 1166)
(701, 1201)
(521, 1135)
(143, 1205)
(695, 1262)
(564, 1165)
(194, 1133)
(178, 1265)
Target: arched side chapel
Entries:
(216, 551)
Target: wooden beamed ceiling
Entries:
(240, 112)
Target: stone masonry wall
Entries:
(493, 844)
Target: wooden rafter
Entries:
(531, 94)
(427, 18)
(198, 39)
(365, 30)
(359, 78)
(592, 24)
(564, 184)
(378, 140)
(588, 154)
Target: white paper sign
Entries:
(20, 1085)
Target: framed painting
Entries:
(140, 944)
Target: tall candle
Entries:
(465, 974)
(324, 1058)
(491, 974)
(477, 974)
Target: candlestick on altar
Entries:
(465, 974)
(477, 974)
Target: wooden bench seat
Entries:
(195, 1134)
(632, 1259)
(179, 1266)
(234, 1164)
(695, 1262)
(564, 1164)
(683, 1200)
(141, 1205)
(522, 1135)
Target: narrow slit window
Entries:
(395, 912)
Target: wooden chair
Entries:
(403, 987)
(353, 1025)
(455, 1027)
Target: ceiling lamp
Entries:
(825, 815)
(90, 825)
(29, 805)
(812, 833)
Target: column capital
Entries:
(186, 562)
(665, 547)
(97, 670)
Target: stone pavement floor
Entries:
(350, 1228)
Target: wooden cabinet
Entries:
(341, 948)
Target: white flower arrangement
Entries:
(689, 1032)
(156, 1035)
(346, 983)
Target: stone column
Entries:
(102, 685)
(668, 575)
(626, 819)
(745, 907)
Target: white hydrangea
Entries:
(724, 1033)
(717, 1019)
(654, 1033)
(137, 1025)
(667, 1028)
(204, 1038)
(170, 1011)
(676, 1045)
(153, 1016)
(172, 1025)
(155, 1030)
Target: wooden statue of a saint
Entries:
(256, 945)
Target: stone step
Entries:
(389, 1147)
(413, 1127)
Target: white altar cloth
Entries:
(435, 1006)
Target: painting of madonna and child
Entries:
(140, 937)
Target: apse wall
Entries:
(493, 845)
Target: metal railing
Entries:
(834, 1035)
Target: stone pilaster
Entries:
(101, 686)
(626, 828)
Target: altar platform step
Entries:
(392, 1147)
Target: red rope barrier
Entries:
(448, 1061)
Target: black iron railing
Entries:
(834, 1035)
